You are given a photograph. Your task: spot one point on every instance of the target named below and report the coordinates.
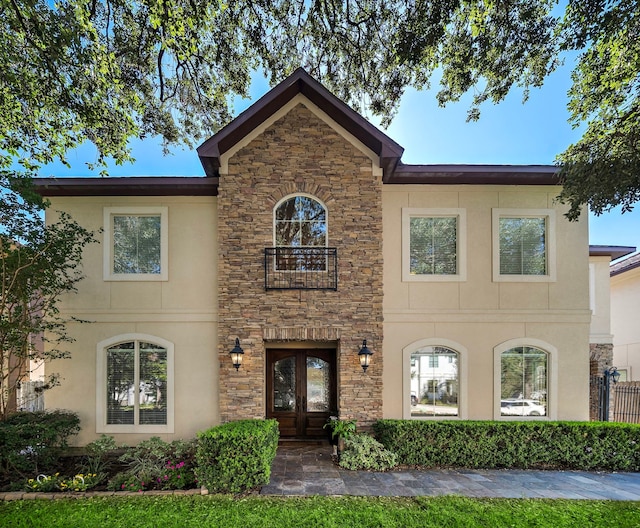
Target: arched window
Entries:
(434, 382)
(523, 381)
(300, 230)
(135, 384)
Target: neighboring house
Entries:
(625, 317)
(307, 236)
(602, 338)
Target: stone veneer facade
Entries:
(300, 153)
(601, 358)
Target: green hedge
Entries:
(541, 445)
(31, 442)
(236, 456)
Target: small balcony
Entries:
(308, 268)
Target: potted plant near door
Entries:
(339, 431)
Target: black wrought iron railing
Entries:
(310, 268)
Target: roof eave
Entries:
(127, 186)
(614, 252)
(451, 174)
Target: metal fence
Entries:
(626, 402)
(30, 396)
(617, 402)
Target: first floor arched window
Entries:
(523, 382)
(434, 382)
(135, 380)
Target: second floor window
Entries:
(433, 244)
(300, 225)
(135, 243)
(524, 245)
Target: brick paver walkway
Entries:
(309, 470)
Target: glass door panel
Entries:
(318, 385)
(284, 384)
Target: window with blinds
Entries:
(523, 246)
(136, 244)
(136, 384)
(433, 246)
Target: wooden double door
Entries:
(301, 390)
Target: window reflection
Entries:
(434, 382)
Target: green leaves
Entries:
(601, 169)
(110, 70)
(236, 456)
(491, 445)
(39, 262)
(363, 452)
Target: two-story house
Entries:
(307, 245)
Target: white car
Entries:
(517, 407)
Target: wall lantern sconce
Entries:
(611, 374)
(236, 355)
(365, 355)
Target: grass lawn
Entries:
(229, 512)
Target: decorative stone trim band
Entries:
(301, 334)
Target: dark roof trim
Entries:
(476, 174)
(300, 82)
(627, 264)
(128, 186)
(614, 252)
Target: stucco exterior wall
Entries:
(300, 153)
(478, 314)
(181, 310)
(600, 300)
(625, 300)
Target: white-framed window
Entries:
(525, 380)
(134, 385)
(434, 244)
(136, 243)
(434, 377)
(625, 373)
(300, 234)
(524, 247)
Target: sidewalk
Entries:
(309, 470)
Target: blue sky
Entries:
(508, 133)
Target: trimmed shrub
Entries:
(362, 451)
(32, 441)
(487, 444)
(236, 456)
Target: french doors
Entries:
(301, 390)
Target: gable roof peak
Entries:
(299, 82)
